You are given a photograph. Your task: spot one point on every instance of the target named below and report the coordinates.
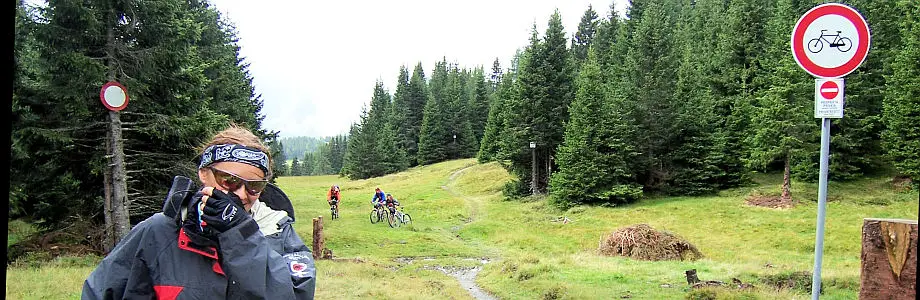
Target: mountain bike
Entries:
(334, 209)
(398, 218)
(843, 44)
(379, 214)
(404, 218)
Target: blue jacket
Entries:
(379, 197)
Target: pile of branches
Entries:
(645, 243)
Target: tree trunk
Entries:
(787, 182)
(120, 215)
(108, 241)
(549, 170)
(119, 198)
(319, 242)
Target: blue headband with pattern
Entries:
(235, 153)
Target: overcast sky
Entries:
(315, 62)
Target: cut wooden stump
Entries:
(889, 259)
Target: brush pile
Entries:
(645, 243)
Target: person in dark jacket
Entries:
(214, 242)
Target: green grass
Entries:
(462, 215)
(18, 231)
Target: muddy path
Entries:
(467, 279)
(466, 276)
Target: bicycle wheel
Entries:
(815, 45)
(335, 212)
(844, 44)
(386, 218)
(399, 218)
(375, 216)
(406, 219)
(392, 220)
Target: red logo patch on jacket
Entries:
(167, 292)
(298, 269)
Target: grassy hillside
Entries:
(461, 221)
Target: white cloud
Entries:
(315, 62)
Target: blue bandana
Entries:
(235, 153)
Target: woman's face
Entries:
(245, 171)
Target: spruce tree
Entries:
(435, 134)
(181, 67)
(696, 154)
(538, 114)
(856, 138)
(306, 165)
(593, 159)
(322, 164)
(648, 87)
(902, 103)
(360, 154)
(372, 150)
(400, 110)
(296, 168)
(418, 96)
(478, 105)
(584, 36)
(495, 78)
(783, 128)
(516, 130)
(279, 161)
(337, 153)
(463, 141)
(605, 37)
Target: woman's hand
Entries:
(221, 211)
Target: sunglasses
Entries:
(232, 182)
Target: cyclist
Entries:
(391, 203)
(333, 196)
(379, 198)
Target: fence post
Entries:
(319, 242)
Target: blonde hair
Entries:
(235, 134)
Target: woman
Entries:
(223, 243)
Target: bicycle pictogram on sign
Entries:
(843, 44)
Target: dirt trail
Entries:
(474, 204)
(467, 277)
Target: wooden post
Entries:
(319, 242)
(533, 170)
(889, 259)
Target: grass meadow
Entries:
(460, 220)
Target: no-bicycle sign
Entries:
(830, 40)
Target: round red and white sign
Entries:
(830, 40)
(829, 90)
(114, 96)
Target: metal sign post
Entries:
(822, 203)
(829, 41)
